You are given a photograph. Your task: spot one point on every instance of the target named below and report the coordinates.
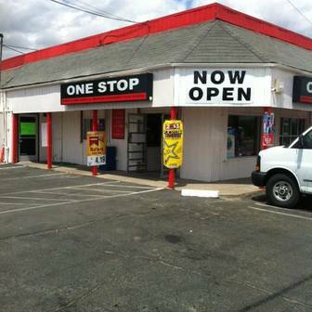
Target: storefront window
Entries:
(243, 136)
(290, 129)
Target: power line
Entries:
(96, 13)
(99, 10)
(19, 47)
(13, 49)
(300, 12)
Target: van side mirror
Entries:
(301, 141)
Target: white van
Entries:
(286, 172)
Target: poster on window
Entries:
(96, 148)
(268, 130)
(44, 141)
(173, 143)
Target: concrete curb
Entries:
(223, 189)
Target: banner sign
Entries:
(96, 148)
(268, 130)
(302, 90)
(203, 87)
(44, 130)
(118, 124)
(118, 89)
(173, 143)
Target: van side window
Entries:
(307, 140)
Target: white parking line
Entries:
(8, 168)
(3, 203)
(132, 186)
(66, 194)
(266, 205)
(76, 201)
(101, 191)
(58, 188)
(36, 207)
(281, 213)
(35, 176)
(30, 198)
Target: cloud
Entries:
(42, 23)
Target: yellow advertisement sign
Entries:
(173, 143)
(96, 148)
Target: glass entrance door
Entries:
(28, 138)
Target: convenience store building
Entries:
(238, 83)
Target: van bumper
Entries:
(258, 178)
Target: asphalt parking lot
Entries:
(73, 243)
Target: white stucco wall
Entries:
(205, 137)
(43, 99)
(282, 80)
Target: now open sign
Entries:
(219, 86)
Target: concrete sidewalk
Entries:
(237, 187)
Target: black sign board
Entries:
(302, 90)
(117, 89)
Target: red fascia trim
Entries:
(265, 28)
(306, 99)
(177, 20)
(105, 98)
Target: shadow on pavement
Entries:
(304, 204)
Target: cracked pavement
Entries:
(149, 251)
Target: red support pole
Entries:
(171, 172)
(94, 128)
(14, 138)
(49, 140)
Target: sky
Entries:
(38, 24)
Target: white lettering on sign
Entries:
(89, 88)
(70, 90)
(117, 85)
(103, 86)
(309, 86)
(133, 82)
(80, 89)
(219, 86)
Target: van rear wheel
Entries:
(282, 191)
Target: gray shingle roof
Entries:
(210, 42)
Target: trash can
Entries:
(110, 159)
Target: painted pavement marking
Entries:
(58, 188)
(8, 168)
(68, 194)
(285, 214)
(35, 176)
(76, 201)
(30, 198)
(101, 191)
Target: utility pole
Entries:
(2, 147)
(1, 47)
